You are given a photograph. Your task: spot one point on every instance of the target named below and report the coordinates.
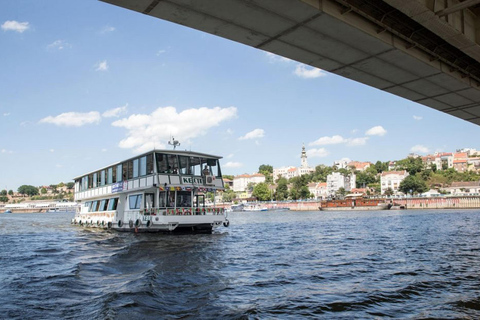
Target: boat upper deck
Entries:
(154, 169)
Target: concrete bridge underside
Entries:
(426, 51)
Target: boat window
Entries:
(150, 163)
(162, 199)
(184, 199)
(98, 178)
(135, 168)
(92, 206)
(118, 173)
(162, 166)
(102, 178)
(87, 204)
(110, 175)
(143, 166)
(127, 170)
(172, 162)
(103, 205)
(135, 201)
(195, 166)
(90, 181)
(112, 204)
(171, 199)
(95, 180)
(184, 167)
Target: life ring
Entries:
(149, 223)
(138, 223)
(98, 223)
(226, 223)
(103, 223)
(120, 223)
(130, 223)
(109, 225)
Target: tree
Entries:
(3, 192)
(389, 192)
(10, 192)
(281, 193)
(304, 193)
(3, 199)
(267, 171)
(381, 166)
(228, 195)
(43, 191)
(364, 178)
(70, 185)
(262, 192)
(341, 192)
(413, 184)
(412, 165)
(28, 190)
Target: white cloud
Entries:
(418, 118)
(73, 119)
(58, 45)
(308, 73)
(420, 149)
(231, 164)
(317, 153)
(116, 112)
(160, 52)
(328, 140)
(6, 114)
(146, 131)
(52, 150)
(357, 142)
(104, 150)
(107, 29)
(257, 133)
(102, 66)
(15, 26)
(230, 156)
(6, 151)
(376, 131)
(273, 58)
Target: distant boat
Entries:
(8, 211)
(358, 204)
(255, 207)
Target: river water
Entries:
(266, 265)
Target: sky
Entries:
(84, 84)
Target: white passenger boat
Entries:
(161, 190)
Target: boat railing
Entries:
(179, 211)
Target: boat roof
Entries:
(163, 151)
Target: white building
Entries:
(336, 180)
(290, 172)
(392, 179)
(318, 189)
(240, 183)
(342, 163)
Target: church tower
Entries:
(304, 157)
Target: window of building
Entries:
(135, 201)
(102, 178)
(95, 180)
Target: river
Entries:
(266, 265)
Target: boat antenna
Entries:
(174, 143)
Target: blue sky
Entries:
(85, 84)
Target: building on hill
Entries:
(336, 180)
(241, 182)
(392, 180)
(318, 189)
(290, 172)
(360, 166)
(467, 187)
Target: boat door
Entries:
(199, 203)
